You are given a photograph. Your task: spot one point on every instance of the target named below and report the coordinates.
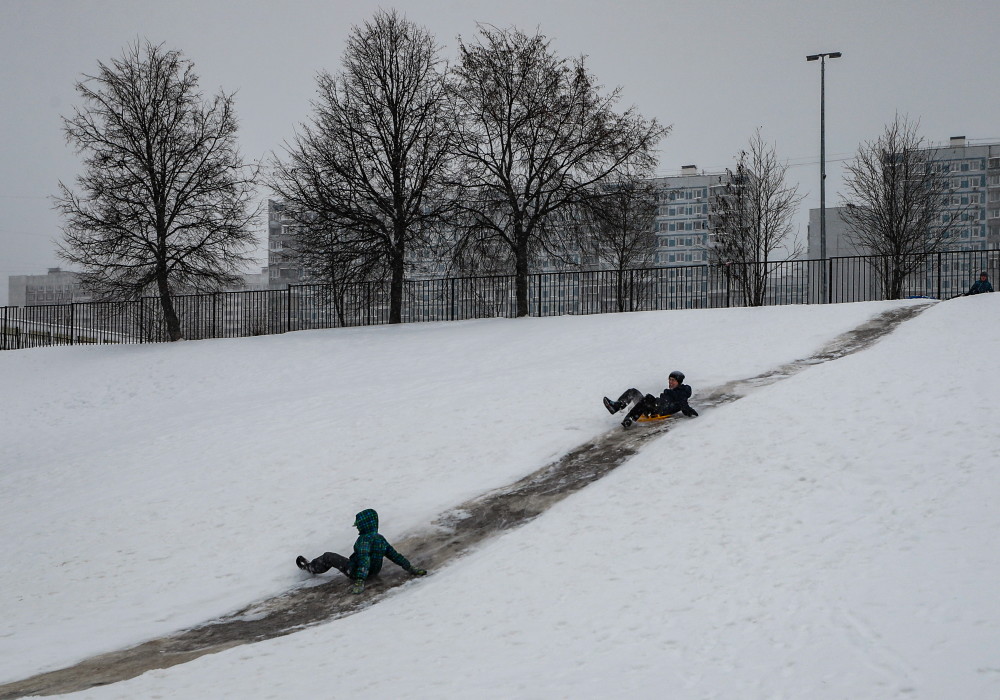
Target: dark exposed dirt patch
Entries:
(454, 533)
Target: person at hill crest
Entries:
(981, 285)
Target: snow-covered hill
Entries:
(829, 536)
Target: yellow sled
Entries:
(651, 419)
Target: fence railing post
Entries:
(538, 289)
(631, 290)
(939, 275)
(829, 281)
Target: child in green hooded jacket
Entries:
(369, 549)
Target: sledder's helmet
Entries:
(679, 376)
(983, 274)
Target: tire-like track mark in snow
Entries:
(453, 534)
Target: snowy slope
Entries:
(828, 536)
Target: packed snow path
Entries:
(454, 533)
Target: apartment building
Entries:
(683, 234)
(57, 286)
(973, 208)
(283, 270)
(972, 211)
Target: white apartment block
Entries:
(974, 172)
(57, 286)
(282, 268)
(686, 203)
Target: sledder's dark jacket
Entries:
(673, 400)
(980, 286)
(370, 547)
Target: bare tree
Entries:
(366, 179)
(894, 203)
(753, 218)
(537, 135)
(617, 226)
(164, 200)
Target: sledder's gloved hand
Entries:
(358, 587)
(418, 572)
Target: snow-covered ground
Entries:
(830, 536)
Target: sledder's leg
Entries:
(623, 401)
(330, 560)
(630, 396)
(644, 404)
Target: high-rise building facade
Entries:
(974, 171)
(972, 210)
(283, 270)
(685, 208)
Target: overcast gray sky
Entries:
(713, 70)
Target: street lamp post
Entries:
(821, 57)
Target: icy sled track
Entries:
(454, 533)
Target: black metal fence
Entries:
(302, 307)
